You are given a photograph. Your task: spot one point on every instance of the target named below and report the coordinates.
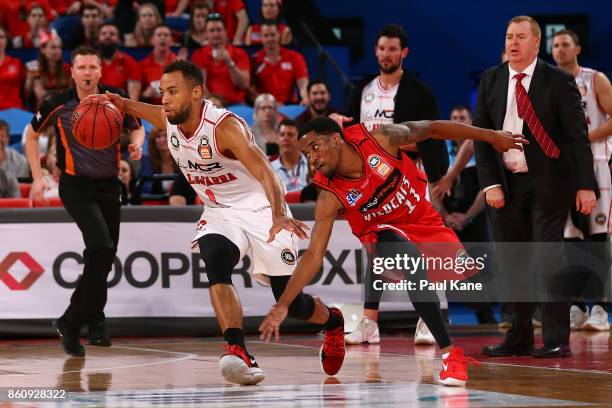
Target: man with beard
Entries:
(119, 70)
(396, 96)
(318, 103)
(245, 212)
(152, 67)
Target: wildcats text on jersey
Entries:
(401, 198)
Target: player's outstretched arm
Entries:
(326, 210)
(232, 136)
(392, 137)
(151, 113)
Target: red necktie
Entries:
(527, 113)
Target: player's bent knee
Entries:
(302, 307)
(220, 256)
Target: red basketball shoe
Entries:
(332, 352)
(455, 368)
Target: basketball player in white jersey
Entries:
(596, 94)
(244, 213)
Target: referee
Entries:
(91, 193)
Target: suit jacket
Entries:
(413, 101)
(557, 102)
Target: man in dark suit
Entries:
(532, 192)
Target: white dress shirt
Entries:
(514, 160)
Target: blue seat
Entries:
(244, 111)
(17, 119)
(291, 111)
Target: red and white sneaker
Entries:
(332, 352)
(455, 368)
(238, 367)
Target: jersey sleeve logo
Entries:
(174, 142)
(379, 165)
(204, 148)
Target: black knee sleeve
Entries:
(302, 306)
(220, 256)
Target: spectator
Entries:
(13, 162)
(318, 102)
(16, 15)
(51, 173)
(195, 37)
(153, 65)
(226, 68)
(12, 75)
(182, 193)
(86, 33)
(107, 7)
(235, 18)
(278, 70)
(49, 74)
(291, 165)
(128, 181)
(119, 69)
(270, 10)
(148, 19)
(9, 187)
(38, 25)
(160, 162)
(266, 122)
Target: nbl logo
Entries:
(288, 256)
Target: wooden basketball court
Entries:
(177, 372)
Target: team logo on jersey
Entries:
(201, 225)
(204, 148)
(600, 219)
(174, 141)
(288, 256)
(379, 165)
(369, 97)
(353, 196)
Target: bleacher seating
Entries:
(15, 203)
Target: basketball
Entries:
(96, 124)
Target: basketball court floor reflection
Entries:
(183, 372)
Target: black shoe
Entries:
(98, 335)
(553, 351)
(505, 350)
(70, 338)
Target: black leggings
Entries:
(425, 302)
(95, 206)
(221, 256)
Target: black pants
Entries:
(534, 275)
(425, 301)
(95, 206)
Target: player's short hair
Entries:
(316, 82)
(535, 27)
(84, 50)
(569, 32)
(191, 72)
(288, 123)
(321, 126)
(393, 31)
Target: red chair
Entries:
(15, 203)
(24, 188)
(51, 202)
(293, 197)
(154, 202)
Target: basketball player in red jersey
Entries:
(383, 197)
